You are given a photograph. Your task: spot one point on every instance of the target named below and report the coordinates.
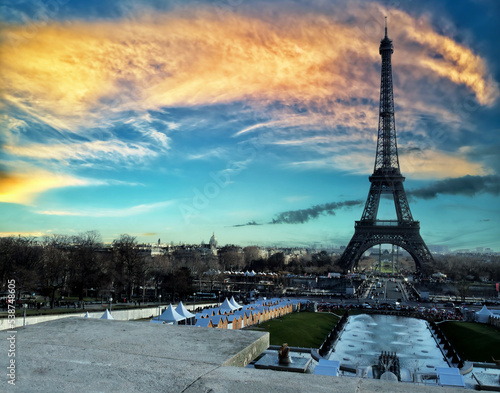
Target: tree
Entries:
(128, 265)
(276, 262)
(252, 254)
(88, 267)
(179, 283)
(231, 258)
(19, 260)
(54, 267)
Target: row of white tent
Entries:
(251, 274)
(224, 315)
(231, 315)
(181, 314)
(229, 309)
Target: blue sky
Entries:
(253, 120)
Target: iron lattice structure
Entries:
(386, 179)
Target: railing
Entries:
(388, 223)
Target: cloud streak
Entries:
(128, 211)
(96, 150)
(302, 216)
(23, 187)
(467, 185)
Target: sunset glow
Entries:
(135, 113)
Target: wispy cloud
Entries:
(96, 150)
(206, 155)
(249, 223)
(23, 233)
(101, 212)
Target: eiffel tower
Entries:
(386, 179)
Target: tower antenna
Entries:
(386, 27)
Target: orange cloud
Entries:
(23, 187)
(425, 164)
(80, 72)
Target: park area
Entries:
(473, 341)
(300, 329)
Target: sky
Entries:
(253, 120)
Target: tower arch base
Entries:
(367, 235)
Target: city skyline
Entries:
(175, 120)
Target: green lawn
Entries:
(473, 341)
(302, 329)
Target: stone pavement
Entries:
(93, 355)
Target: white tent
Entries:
(107, 315)
(227, 306)
(87, 315)
(170, 315)
(183, 311)
(233, 302)
(483, 315)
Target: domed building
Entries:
(213, 244)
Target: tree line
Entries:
(82, 266)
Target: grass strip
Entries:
(473, 341)
(301, 329)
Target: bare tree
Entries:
(87, 266)
(128, 264)
(54, 267)
(231, 258)
(19, 260)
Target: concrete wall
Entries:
(244, 357)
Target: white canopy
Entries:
(227, 306)
(170, 315)
(87, 315)
(107, 315)
(483, 315)
(233, 302)
(183, 311)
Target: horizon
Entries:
(174, 120)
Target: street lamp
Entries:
(159, 305)
(194, 302)
(25, 306)
(110, 303)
